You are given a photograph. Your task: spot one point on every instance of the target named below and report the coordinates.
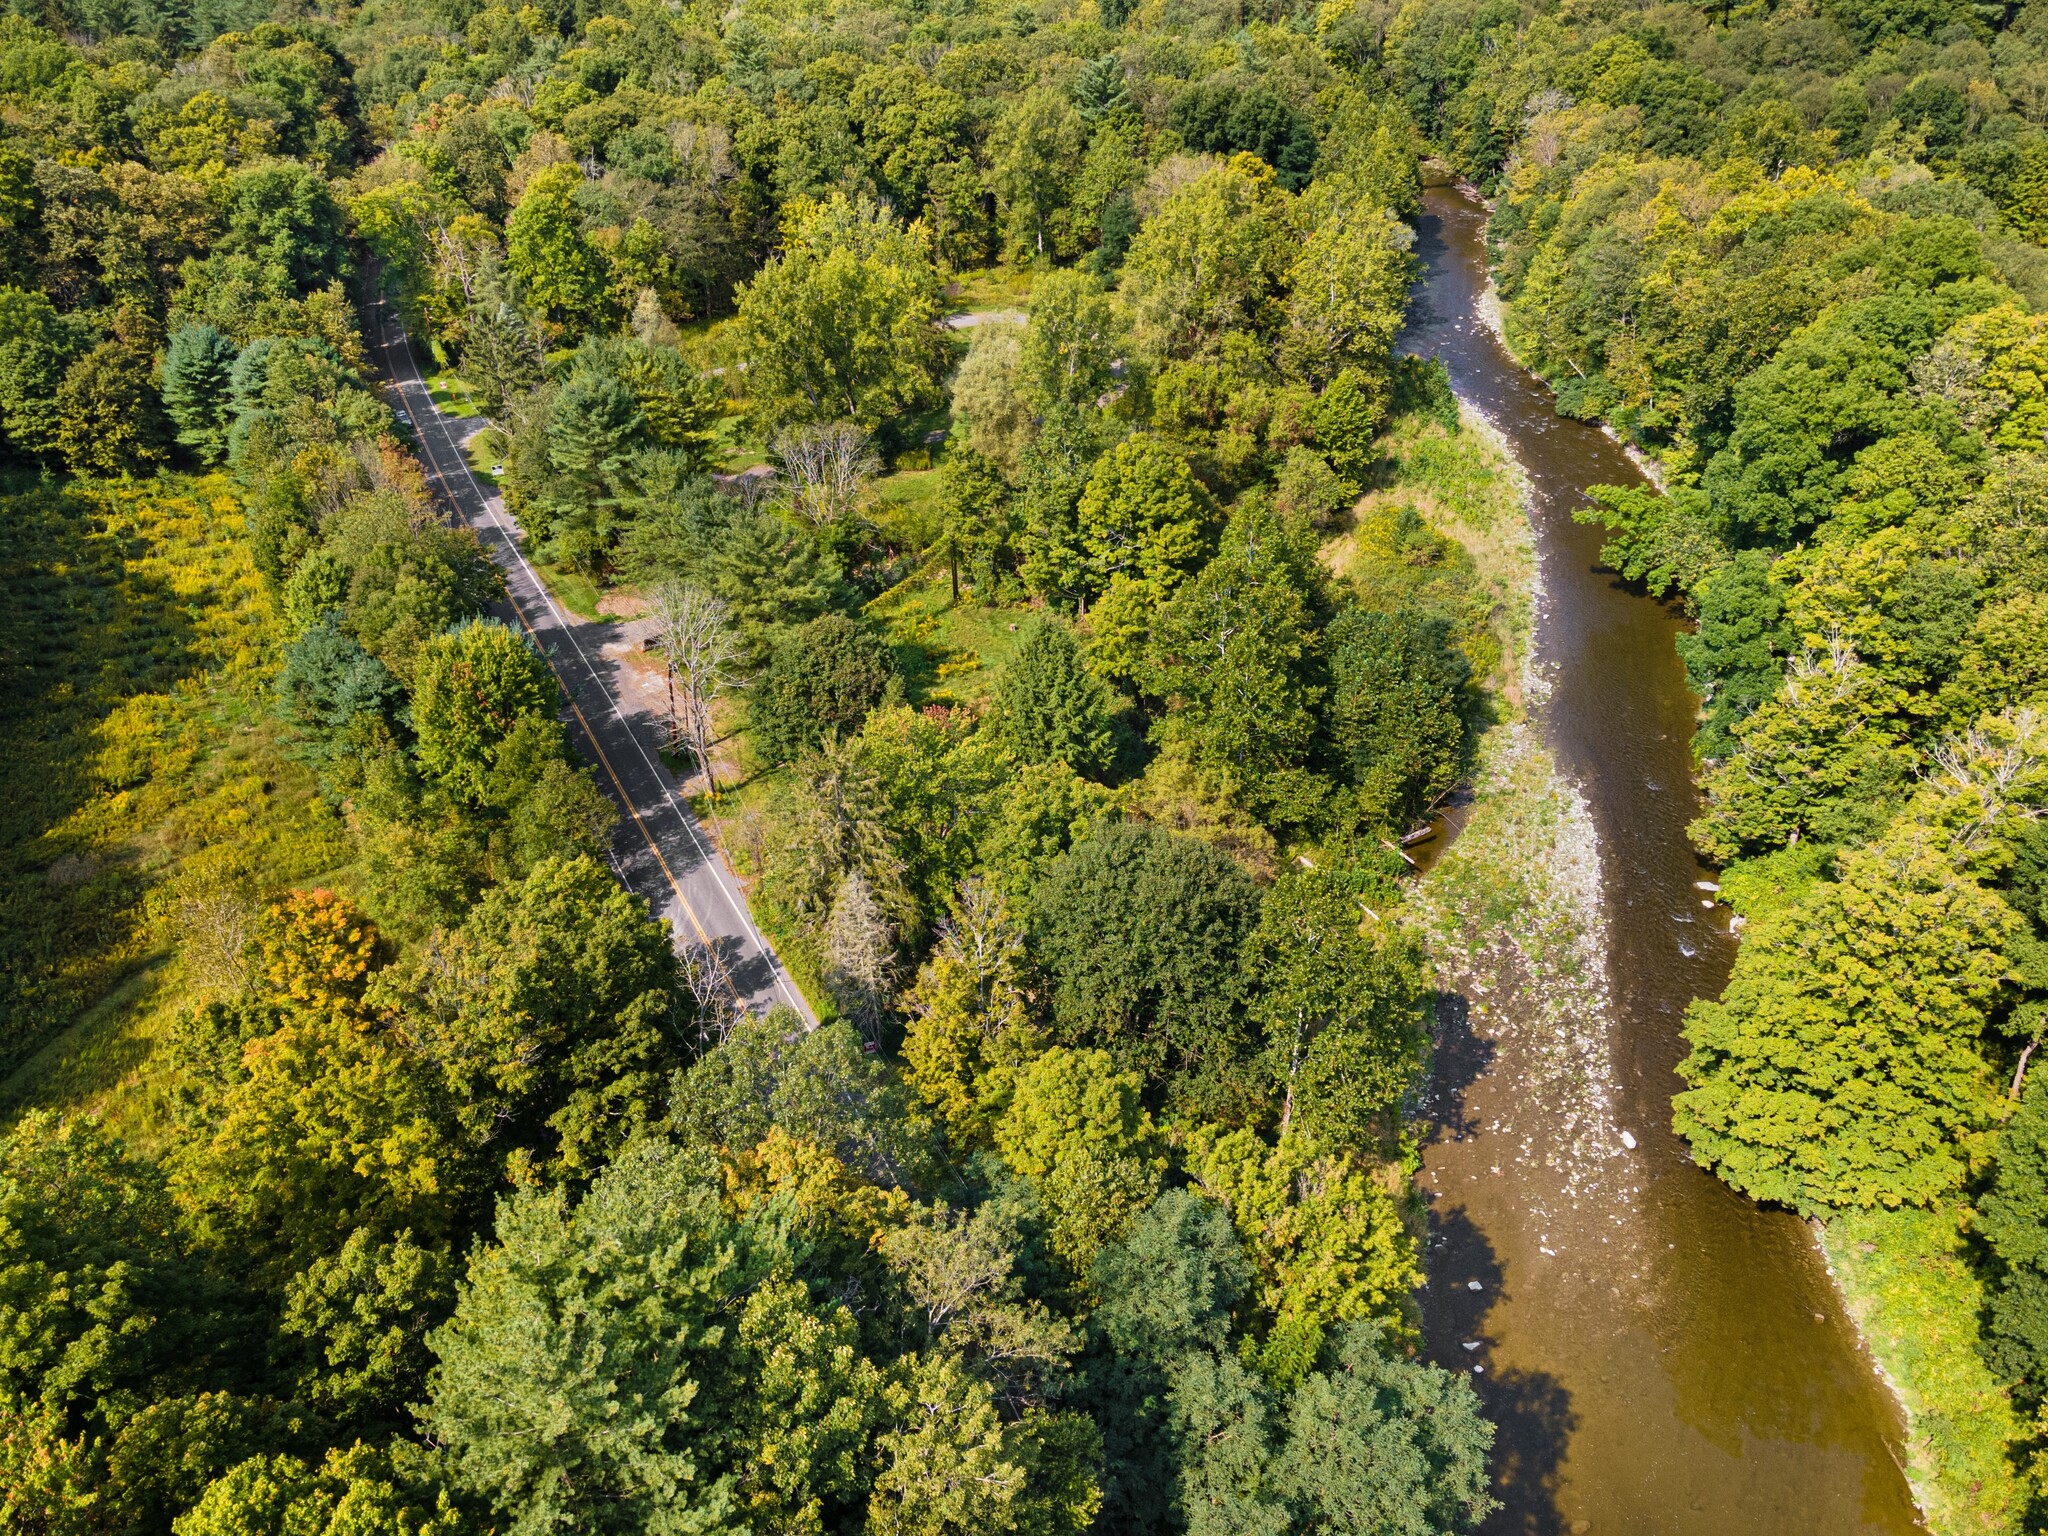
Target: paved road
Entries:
(658, 848)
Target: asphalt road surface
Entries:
(658, 848)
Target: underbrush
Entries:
(144, 783)
(1441, 525)
(1916, 1300)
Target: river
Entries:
(1660, 1355)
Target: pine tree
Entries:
(823, 680)
(1237, 650)
(1048, 708)
(1397, 687)
(198, 365)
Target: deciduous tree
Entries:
(844, 325)
(472, 688)
(1076, 1128)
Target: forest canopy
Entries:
(374, 1161)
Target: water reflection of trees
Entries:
(1530, 1410)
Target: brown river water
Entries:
(1660, 1355)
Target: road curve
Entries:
(658, 848)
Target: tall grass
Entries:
(136, 647)
(1917, 1300)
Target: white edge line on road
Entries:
(709, 856)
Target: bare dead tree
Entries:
(828, 467)
(216, 923)
(694, 633)
(860, 955)
(751, 487)
(717, 1010)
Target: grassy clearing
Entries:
(106, 1063)
(141, 763)
(906, 508)
(1916, 1299)
(454, 395)
(486, 451)
(572, 589)
(948, 652)
(740, 819)
(990, 288)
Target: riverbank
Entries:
(1916, 1299)
(1656, 1352)
(1903, 1282)
(1510, 913)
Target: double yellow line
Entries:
(590, 735)
(625, 799)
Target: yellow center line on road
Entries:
(590, 735)
(625, 799)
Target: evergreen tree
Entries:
(1382, 1443)
(588, 1377)
(1047, 707)
(197, 367)
(1396, 713)
(594, 425)
(328, 681)
(503, 353)
(1348, 417)
(822, 680)
(1140, 933)
(1223, 1431)
(1237, 655)
(1167, 1292)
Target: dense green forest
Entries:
(1789, 253)
(373, 1162)
(972, 404)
